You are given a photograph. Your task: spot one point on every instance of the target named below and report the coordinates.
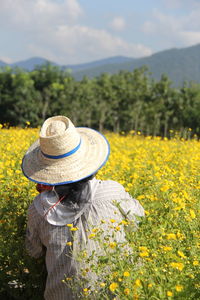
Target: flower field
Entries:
(164, 175)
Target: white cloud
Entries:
(72, 44)
(118, 24)
(180, 4)
(190, 38)
(148, 27)
(53, 30)
(35, 13)
(181, 30)
(5, 59)
(174, 4)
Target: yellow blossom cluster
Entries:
(163, 175)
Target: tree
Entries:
(18, 98)
(104, 95)
(44, 77)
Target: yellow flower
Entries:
(112, 245)
(195, 263)
(69, 243)
(171, 236)
(117, 228)
(144, 254)
(112, 220)
(140, 197)
(102, 284)
(150, 285)
(127, 291)
(178, 266)
(92, 235)
(115, 274)
(126, 274)
(74, 228)
(180, 236)
(169, 294)
(181, 254)
(142, 248)
(124, 222)
(164, 188)
(167, 248)
(179, 288)
(69, 225)
(192, 214)
(113, 286)
(138, 282)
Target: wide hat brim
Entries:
(86, 161)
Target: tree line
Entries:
(120, 102)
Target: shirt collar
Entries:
(63, 214)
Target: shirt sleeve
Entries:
(33, 243)
(129, 207)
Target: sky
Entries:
(79, 31)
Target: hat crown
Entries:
(55, 128)
(58, 136)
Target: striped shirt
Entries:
(44, 234)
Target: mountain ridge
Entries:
(179, 64)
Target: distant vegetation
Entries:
(127, 100)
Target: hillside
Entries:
(178, 64)
(98, 63)
(2, 64)
(31, 63)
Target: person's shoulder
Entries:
(110, 188)
(110, 192)
(111, 184)
(33, 204)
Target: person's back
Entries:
(61, 218)
(57, 234)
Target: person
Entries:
(63, 163)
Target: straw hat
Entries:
(64, 153)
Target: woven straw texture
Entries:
(58, 136)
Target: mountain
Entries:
(31, 63)
(178, 64)
(98, 63)
(2, 64)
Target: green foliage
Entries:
(21, 277)
(120, 102)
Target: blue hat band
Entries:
(63, 155)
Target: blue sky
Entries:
(78, 31)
